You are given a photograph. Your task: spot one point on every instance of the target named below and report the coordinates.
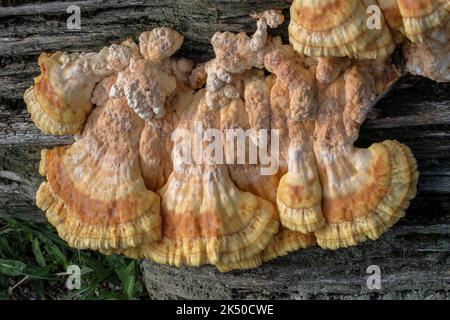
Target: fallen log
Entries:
(414, 256)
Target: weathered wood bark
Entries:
(414, 256)
(411, 260)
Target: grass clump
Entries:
(34, 263)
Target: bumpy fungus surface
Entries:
(60, 100)
(125, 185)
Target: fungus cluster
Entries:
(371, 29)
(124, 185)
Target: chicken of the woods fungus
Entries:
(371, 29)
(132, 183)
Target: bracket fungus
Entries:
(141, 181)
(60, 100)
(363, 29)
(95, 194)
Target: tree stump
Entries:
(414, 256)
